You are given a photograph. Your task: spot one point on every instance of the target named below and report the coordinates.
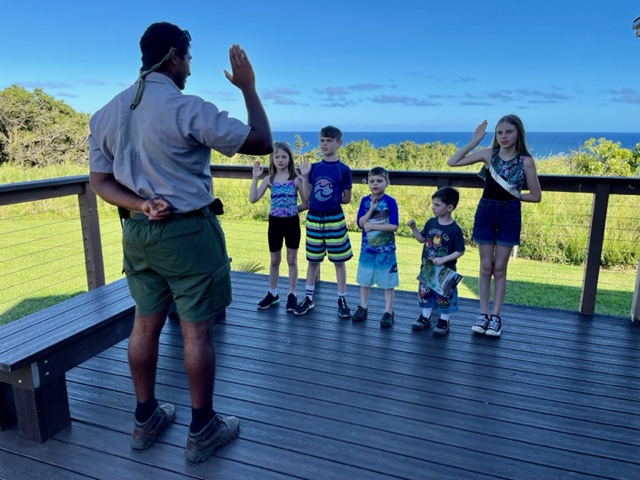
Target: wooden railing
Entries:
(600, 187)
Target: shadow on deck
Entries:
(322, 398)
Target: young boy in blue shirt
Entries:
(326, 227)
(377, 265)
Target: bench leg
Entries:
(7, 408)
(42, 412)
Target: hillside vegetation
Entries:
(41, 137)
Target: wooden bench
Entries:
(36, 352)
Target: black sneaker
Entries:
(387, 320)
(481, 324)
(303, 307)
(360, 315)
(292, 301)
(217, 433)
(441, 329)
(494, 328)
(421, 323)
(343, 310)
(269, 300)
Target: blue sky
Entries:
(403, 65)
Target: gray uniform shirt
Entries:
(163, 147)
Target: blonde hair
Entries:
(284, 146)
(521, 144)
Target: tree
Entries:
(604, 158)
(38, 130)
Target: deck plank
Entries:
(322, 398)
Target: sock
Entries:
(426, 312)
(445, 317)
(145, 410)
(342, 295)
(308, 290)
(200, 417)
(274, 292)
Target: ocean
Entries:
(541, 144)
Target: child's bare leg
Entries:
(500, 277)
(274, 270)
(292, 261)
(364, 296)
(389, 293)
(484, 278)
(312, 273)
(341, 276)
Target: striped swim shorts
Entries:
(327, 232)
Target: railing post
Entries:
(90, 223)
(594, 249)
(635, 305)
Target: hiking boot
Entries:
(216, 434)
(494, 329)
(421, 323)
(441, 329)
(482, 322)
(303, 307)
(292, 301)
(269, 300)
(145, 434)
(387, 320)
(360, 315)
(343, 310)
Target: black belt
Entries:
(216, 207)
(174, 215)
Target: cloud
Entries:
(221, 94)
(504, 95)
(46, 85)
(622, 91)
(282, 91)
(528, 94)
(631, 98)
(474, 102)
(440, 96)
(365, 87)
(332, 91)
(464, 79)
(67, 95)
(337, 104)
(403, 100)
(280, 100)
(546, 97)
(279, 96)
(92, 81)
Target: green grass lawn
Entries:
(42, 263)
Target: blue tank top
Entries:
(284, 199)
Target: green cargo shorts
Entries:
(182, 258)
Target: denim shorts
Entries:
(497, 222)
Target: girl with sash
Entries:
(507, 170)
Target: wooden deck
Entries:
(556, 397)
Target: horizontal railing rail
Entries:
(600, 187)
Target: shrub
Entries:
(604, 158)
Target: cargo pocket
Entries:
(221, 287)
